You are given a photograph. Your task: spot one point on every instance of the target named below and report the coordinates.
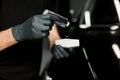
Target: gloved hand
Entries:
(35, 27)
(59, 52)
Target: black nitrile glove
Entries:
(60, 52)
(35, 27)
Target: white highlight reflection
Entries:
(117, 5)
(87, 20)
(116, 49)
(115, 27)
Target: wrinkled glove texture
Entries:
(36, 27)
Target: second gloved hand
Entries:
(59, 52)
(35, 27)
